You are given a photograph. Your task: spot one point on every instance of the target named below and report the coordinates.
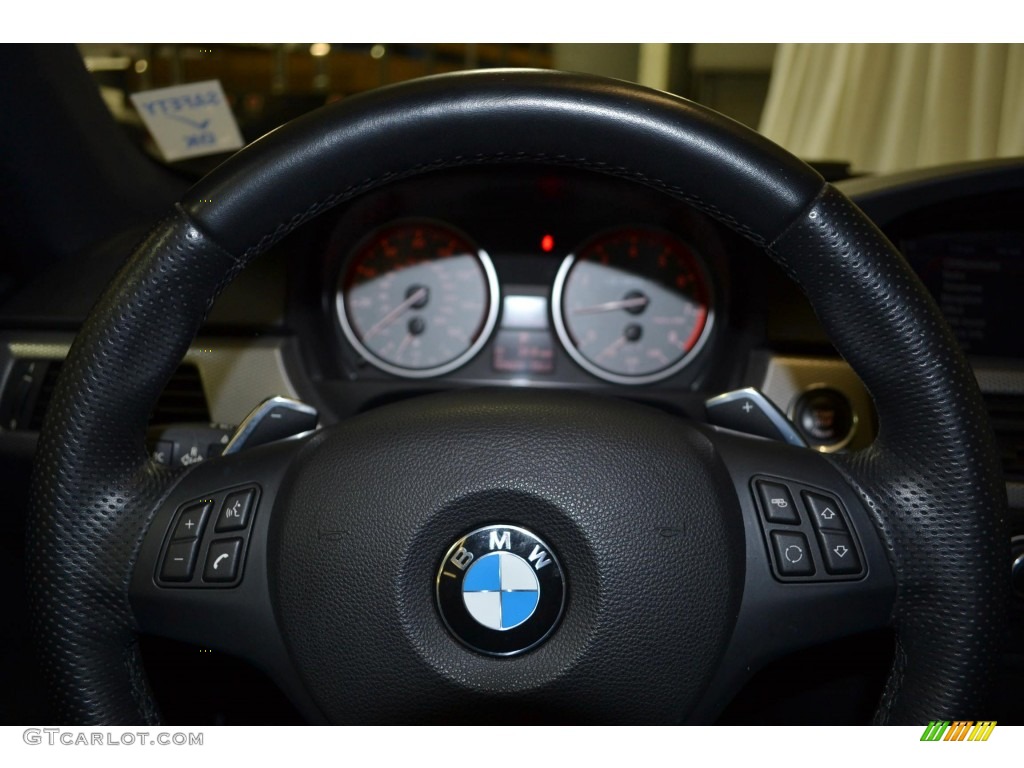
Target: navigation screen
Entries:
(978, 281)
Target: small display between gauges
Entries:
(633, 306)
(417, 298)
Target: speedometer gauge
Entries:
(417, 298)
(632, 306)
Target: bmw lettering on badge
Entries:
(500, 590)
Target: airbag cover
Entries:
(635, 502)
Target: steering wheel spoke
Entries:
(201, 575)
(816, 569)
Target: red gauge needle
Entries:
(394, 314)
(611, 306)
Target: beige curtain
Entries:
(887, 107)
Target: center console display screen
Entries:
(978, 281)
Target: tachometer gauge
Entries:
(632, 306)
(417, 298)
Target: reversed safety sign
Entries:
(189, 120)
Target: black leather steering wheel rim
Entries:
(931, 479)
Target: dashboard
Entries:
(556, 278)
(553, 278)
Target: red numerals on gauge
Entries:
(417, 298)
(633, 306)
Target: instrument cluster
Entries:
(419, 298)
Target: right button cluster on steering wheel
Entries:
(818, 517)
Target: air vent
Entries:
(182, 399)
(1007, 415)
(31, 383)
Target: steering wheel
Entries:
(671, 556)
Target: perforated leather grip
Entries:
(931, 479)
(93, 485)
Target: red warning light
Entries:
(547, 243)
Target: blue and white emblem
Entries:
(500, 590)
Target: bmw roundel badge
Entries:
(500, 590)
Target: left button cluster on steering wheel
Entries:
(189, 534)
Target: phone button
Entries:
(222, 560)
